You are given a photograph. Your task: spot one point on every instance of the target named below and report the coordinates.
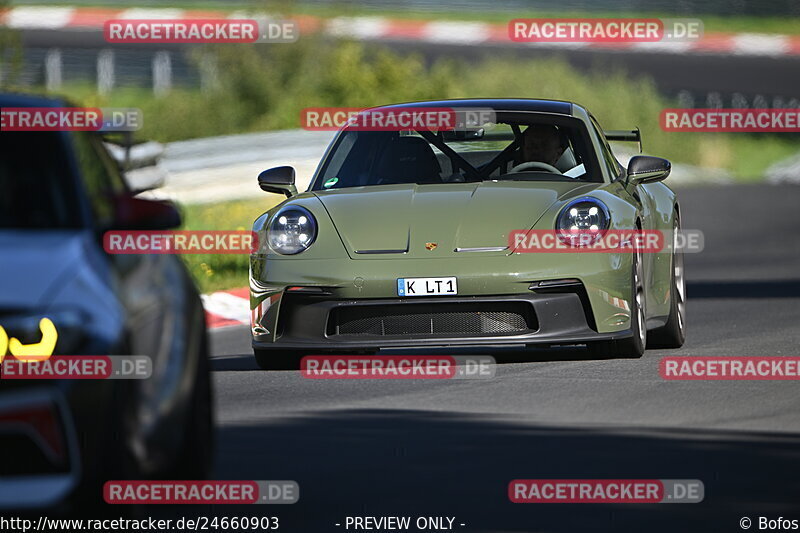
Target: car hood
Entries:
(379, 222)
(35, 263)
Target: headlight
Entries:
(292, 230)
(583, 221)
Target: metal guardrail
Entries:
(673, 7)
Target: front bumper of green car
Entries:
(518, 299)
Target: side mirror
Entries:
(133, 213)
(279, 180)
(647, 169)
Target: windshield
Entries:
(37, 192)
(520, 148)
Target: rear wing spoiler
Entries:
(625, 136)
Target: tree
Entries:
(10, 52)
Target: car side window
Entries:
(100, 176)
(608, 155)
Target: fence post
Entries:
(685, 99)
(714, 101)
(105, 71)
(53, 69)
(738, 101)
(209, 73)
(162, 73)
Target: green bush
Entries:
(222, 271)
(265, 87)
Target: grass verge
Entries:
(214, 272)
(265, 88)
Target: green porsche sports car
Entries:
(404, 239)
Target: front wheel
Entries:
(673, 333)
(195, 458)
(633, 346)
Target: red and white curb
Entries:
(227, 308)
(381, 28)
(619, 303)
(232, 307)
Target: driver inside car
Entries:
(541, 144)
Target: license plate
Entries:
(426, 286)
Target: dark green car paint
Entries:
(398, 220)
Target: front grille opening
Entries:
(580, 290)
(434, 319)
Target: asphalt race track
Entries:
(450, 448)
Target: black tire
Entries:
(111, 457)
(107, 452)
(278, 359)
(196, 453)
(673, 333)
(632, 347)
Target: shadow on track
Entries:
(786, 288)
(412, 463)
(246, 362)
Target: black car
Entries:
(62, 439)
